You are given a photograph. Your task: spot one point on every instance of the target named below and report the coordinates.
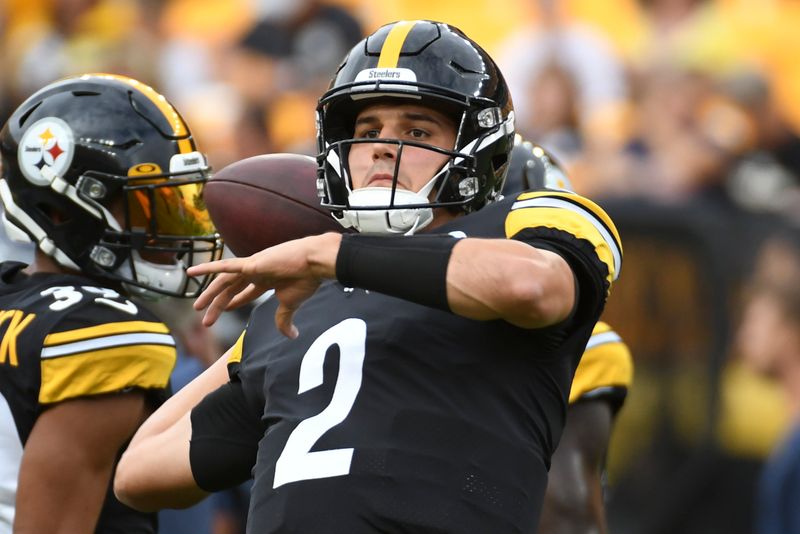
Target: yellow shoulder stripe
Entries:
(561, 211)
(607, 362)
(236, 352)
(105, 371)
(596, 210)
(599, 328)
(124, 327)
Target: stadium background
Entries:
(678, 116)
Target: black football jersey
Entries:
(389, 416)
(62, 337)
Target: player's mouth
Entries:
(381, 180)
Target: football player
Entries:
(414, 375)
(101, 173)
(574, 498)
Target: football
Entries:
(266, 200)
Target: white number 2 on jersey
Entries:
(297, 462)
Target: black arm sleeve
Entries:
(225, 436)
(590, 273)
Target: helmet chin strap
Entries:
(388, 221)
(167, 277)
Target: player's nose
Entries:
(384, 150)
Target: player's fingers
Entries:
(228, 265)
(248, 294)
(217, 286)
(221, 302)
(283, 320)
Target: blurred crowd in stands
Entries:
(671, 101)
(664, 98)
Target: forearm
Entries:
(155, 471)
(483, 279)
(574, 499)
(577, 509)
(491, 279)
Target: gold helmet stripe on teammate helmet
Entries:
(170, 113)
(390, 52)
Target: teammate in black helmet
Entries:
(413, 376)
(101, 173)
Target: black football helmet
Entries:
(432, 64)
(533, 167)
(103, 175)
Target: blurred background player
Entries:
(102, 174)
(574, 501)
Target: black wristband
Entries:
(412, 268)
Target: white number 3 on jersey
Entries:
(67, 296)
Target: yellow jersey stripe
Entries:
(600, 327)
(578, 225)
(105, 371)
(596, 210)
(121, 340)
(390, 52)
(602, 338)
(605, 365)
(108, 329)
(566, 202)
(236, 353)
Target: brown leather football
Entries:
(266, 200)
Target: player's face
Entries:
(117, 209)
(373, 164)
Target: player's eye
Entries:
(417, 133)
(368, 134)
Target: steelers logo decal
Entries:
(48, 145)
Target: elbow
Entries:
(148, 484)
(536, 303)
(129, 488)
(540, 291)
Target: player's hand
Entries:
(294, 269)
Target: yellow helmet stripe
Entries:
(390, 53)
(170, 113)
